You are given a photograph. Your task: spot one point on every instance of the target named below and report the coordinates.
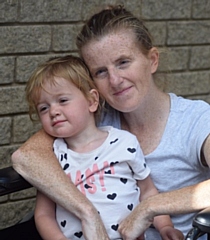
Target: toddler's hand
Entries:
(170, 233)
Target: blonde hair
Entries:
(70, 67)
(112, 19)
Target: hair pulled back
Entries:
(112, 19)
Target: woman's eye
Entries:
(123, 62)
(100, 72)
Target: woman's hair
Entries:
(69, 67)
(113, 19)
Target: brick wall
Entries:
(34, 30)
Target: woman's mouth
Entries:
(122, 91)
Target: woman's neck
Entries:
(149, 121)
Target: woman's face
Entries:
(122, 73)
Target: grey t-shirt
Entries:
(175, 163)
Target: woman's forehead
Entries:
(110, 46)
(113, 38)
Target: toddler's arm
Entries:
(45, 219)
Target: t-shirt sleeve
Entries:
(138, 164)
(198, 132)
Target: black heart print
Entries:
(66, 166)
(114, 141)
(78, 234)
(130, 207)
(131, 150)
(124, 180)
(113, 163)
(111, 196)
(115, 227)
(63, 223)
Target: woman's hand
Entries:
(134, 225)
(94, 230)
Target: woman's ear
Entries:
(154, 57)
(93, 100)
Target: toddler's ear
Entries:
(93, 100)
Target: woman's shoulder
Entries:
(181, 104)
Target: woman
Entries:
(122, 60)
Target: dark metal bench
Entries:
(11, 181)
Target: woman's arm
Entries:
(185, 200)
(36, 162)
(182, 201)
(45, 219)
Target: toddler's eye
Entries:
(42, 109)
(63, 100)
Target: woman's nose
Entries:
(114, 77)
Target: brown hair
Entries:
(68, 67)
(112, 19)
